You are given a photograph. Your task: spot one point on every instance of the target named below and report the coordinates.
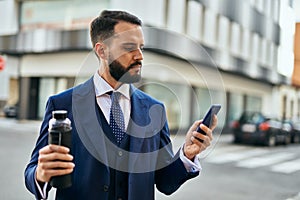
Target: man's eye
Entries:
(132, 48)
(129, 48)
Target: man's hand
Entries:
(53, 160)
(193, 144)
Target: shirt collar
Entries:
(102, 87)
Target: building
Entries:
(296, 72)
(198, 52)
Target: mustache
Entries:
(134, 64)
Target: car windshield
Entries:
(250, 117)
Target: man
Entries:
(111, 157)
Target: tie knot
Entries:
(115, 96)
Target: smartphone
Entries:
(207, 120)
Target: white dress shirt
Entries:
(104, 101)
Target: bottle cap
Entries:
(59, 114)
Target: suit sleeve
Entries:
(172, 172)
(41, 142)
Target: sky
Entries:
(297, 9)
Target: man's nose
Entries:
(138, 55)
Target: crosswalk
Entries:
(277, 159)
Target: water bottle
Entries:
(60, 134)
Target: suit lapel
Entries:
(143, 139)
(138, 119)
(86, 121)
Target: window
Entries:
(291, 3)
(194, 19)
(235, 106)
(270, 54)
(245, 44)
(275, 56)
(252, 2)
(177, 15)
(235, 38)
(275, 10)
(284, 103)
(204, 98)
(210, 27)
(176, 99)
(253, 103)
(260, 5)
(255, 47)
(47, 87)
(268, 7)
(223, 32)
(292, 109)
(263, 52)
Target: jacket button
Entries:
(105, 188)
(120, 153)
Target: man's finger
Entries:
(195, 125)
(214, 122)
(57, 165)
(55, 156)
(54, 148)
(58, 148)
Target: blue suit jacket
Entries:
(150, 157)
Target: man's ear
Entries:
(100, 49)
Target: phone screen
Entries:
(207, 120)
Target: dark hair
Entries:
(102, 27)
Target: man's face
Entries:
(125, 53)
(125, 74)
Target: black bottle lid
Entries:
(59, 114)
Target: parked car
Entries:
(296, 132)
(293, 127)
(254, 127)
(10, 111)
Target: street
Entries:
(244, 172)
(230, 172)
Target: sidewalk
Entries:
(34, 125)
(15, 124)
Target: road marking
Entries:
(266, 160)
(226, 149)
(235, 156)
(287, 167)
(216, 150)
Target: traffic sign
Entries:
(2, 63)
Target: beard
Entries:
(122, 74)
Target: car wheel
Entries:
(237, 140)
(296, 139)
(271, 141)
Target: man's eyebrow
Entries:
(129, 43)
(132, 44)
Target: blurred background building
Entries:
(243, 52)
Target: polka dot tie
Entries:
(116, 117)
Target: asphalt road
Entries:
(244, 172)
(230, 172)
(16, 143)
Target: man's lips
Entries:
(135, 66)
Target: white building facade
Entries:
(198, 52)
